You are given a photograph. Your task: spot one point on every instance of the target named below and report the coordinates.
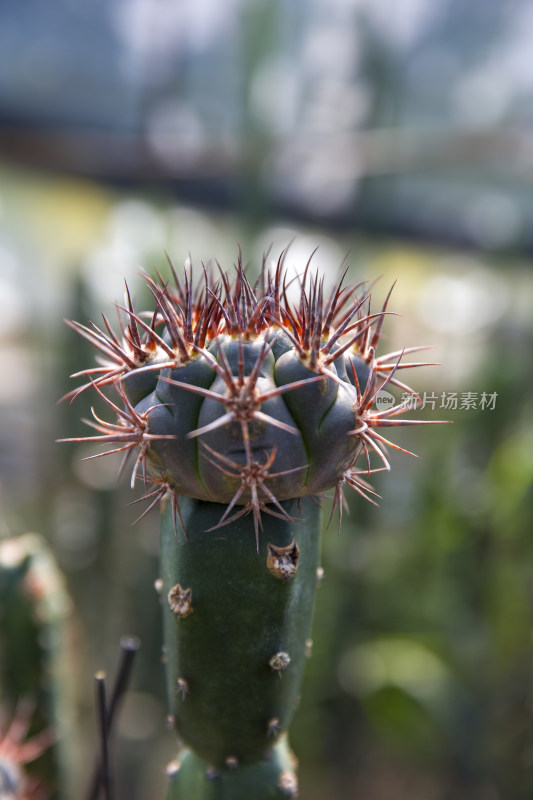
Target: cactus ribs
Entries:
(233, 393)
(241, 406)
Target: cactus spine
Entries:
(241, 407)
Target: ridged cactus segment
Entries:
(241, 652)
(174, 411)
(234, 394)
(326, 415)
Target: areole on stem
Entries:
(241, 407)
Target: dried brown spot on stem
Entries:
(283, 561)
(180, 601)
(280, 661)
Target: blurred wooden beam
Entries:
(343, 156)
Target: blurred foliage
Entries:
(411, 117)
(420, 681)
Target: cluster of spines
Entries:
(190, 315)
(17, 750)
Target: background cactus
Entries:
(36, 682)
(241, 407)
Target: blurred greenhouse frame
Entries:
(399, 135)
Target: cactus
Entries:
(36, 680)
(16, 751)
(241, 408)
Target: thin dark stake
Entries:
(105, 778)
(128, 646)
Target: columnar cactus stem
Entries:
(241, 407)
(270, 778)
(250, 613)
(36, 675)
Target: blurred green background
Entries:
(400, 133)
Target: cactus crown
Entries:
(234, 393)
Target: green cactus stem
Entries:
(252, 613)
(36, 676)
(241, 407)
(272, 777)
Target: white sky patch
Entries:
(460, 304)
